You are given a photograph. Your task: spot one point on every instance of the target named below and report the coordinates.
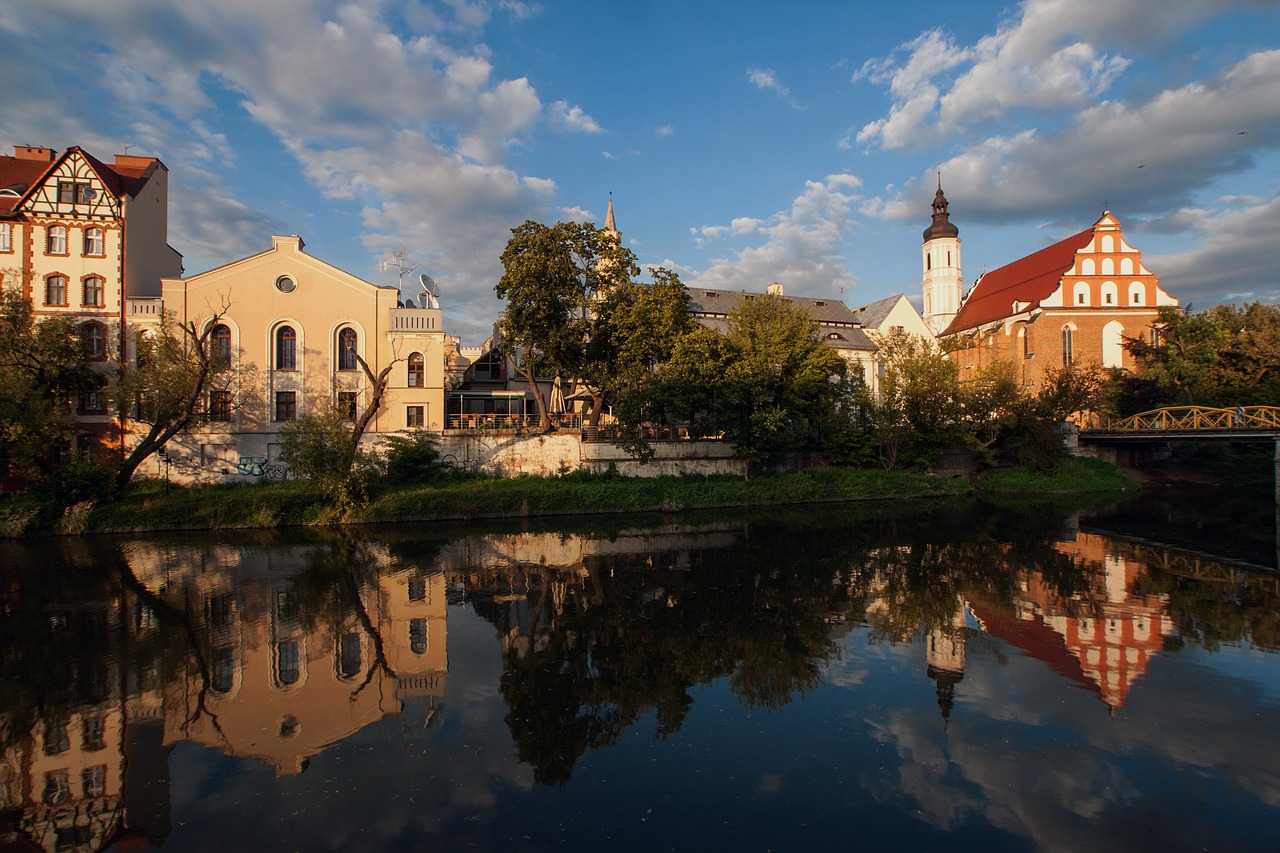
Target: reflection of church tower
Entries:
(941, 260)
(945, 657)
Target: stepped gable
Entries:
(1027, 281)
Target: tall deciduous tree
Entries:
(43, 369)
(552, 277)
(779, 381)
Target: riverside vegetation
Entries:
(150, 505)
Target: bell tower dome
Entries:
(940, 259)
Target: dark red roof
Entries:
(1038, 640)
(1027, 280)
(19, 174)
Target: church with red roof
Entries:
(1071, 303)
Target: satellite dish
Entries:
(429, 284)
(88, 194)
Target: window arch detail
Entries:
(94, 243)
(1137, 293)
(221, 339)
(1082, 293)
(93, 336)
(417, 371)
(347, 342)
(92, 294)
(1110, 293)
(1113, 344)
(1068, 345)
(286, 345)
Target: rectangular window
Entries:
(92, 292)
(94, 734)
(55, 290)
(347, 402)
(220, 405)
(93, 242)
(92, 402)
(6, 236)
(72, 192)
(56, 240)
(286, 405)
(94, 780)
(415, 416)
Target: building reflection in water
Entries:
(276, 653)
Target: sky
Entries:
(743, 142)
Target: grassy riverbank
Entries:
(150, 505)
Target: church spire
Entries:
(941, 225)
(610, 224)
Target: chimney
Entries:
(775, 289)
(32, 152)
(128, 161)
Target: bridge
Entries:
(1195, 423)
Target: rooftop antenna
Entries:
(127, 147)
(400, 264)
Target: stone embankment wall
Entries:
(553, 454)
(503, 454)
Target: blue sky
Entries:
(744, 143)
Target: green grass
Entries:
(149, 506)
(1076, 475)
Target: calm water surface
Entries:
(902, 677)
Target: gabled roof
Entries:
(873, 314)
(1026, 281)
(24, 175)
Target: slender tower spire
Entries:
(610, 224)
(940, 258)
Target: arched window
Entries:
(93, 337)
(1068, 345)
(347, 349)
(221, 336)
(287, 664)
(286, 348)
(1108, 243)
(1136, 291)
(1126, 266)
(1087, 266)
(928, 260)
(1108, 266)
(93, 243)
(55, 290)
(1022, 339)
(1110, 294)
(93, 289)
(418, 639)
(1082, 293)
(1113, 344)
(56, 240)
(349, 655)
(417, 371)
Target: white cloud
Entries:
(573, 118)
(1054, 56)
(665, 130)
(1141, 157)
(767, 80)
(801, 247)
(1233, 261)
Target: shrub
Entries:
(413, 457)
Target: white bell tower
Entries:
(940, 260)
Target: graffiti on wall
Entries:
(256, 466)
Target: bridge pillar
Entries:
(1278, 472)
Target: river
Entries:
(928, 675)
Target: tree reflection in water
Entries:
(615, 625)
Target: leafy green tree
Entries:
(43, 369)
(779, 381)
(552, 277)
(413, 457)
(917, 412)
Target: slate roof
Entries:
(712, 307)
(1027, 280)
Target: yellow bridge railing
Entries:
(1197, 419)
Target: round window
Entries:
(284, 284)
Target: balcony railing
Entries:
(144, 309)
(411, 320)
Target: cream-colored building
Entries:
(295, 330)
(88, 240)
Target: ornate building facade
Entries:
(1071, 303)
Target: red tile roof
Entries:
(19, 174)
(1027, 280)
